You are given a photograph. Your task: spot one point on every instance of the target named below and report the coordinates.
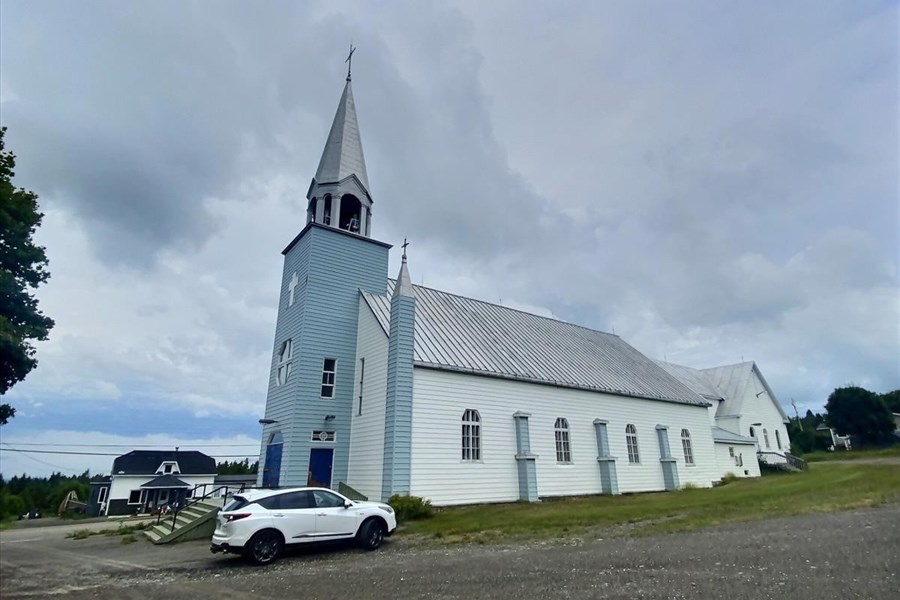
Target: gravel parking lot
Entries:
(853, 554)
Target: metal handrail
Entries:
(227, 489)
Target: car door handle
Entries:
(278, 515)
(321, 514)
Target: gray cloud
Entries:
(713, 182)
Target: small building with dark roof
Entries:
(145, 480)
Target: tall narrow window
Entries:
(563, 450)
(766, 437)
(362, 377)
(471, 435)
(686, 446)
(634, 456)
(778, 438)
(328, 368)
(285, 353)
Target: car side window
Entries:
(270, 503)
(293, 500)
(327, 500)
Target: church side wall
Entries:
(439, 473)
(727, 464)
(367, 429)
(762, 409)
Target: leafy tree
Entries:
(243, 467)
(23, 266)
(857, 411)
(892, 399)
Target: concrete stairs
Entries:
(194, 522)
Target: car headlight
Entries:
(388, 509)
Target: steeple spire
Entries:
(339, 194)
(343, 154)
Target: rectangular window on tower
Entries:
(328, 370)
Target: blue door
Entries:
(272, 468)
(320, 460)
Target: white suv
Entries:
(260, 523)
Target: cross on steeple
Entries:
(349, 60)
(404, 245)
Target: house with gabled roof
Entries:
(391, 388)
(145, 480)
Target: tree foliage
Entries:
(857, 411)
(23, 266)
(892, 399)
(23, 493)
(243, 467)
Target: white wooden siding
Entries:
(440, 474)
(367, 430)
(121, 485)
(762, 409)
(726, 461)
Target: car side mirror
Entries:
(348, 504)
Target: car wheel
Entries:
(264, 547)
(371, 534)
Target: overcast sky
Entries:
(714, 182)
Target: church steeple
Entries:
(339, 193)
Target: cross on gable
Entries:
(292, 286)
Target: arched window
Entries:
(276, 438)
(471, 435)
(285, 353)
(563, 450)
(686, 446)
(752, 432)
(311, 211)
(631, 441)
(766, 437)
(778, 438)
(351, 208)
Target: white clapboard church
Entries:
(393, 388)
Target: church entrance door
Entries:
(272, 468)
(320, 461)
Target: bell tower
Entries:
(339, 193)
(306, 429)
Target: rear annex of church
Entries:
(392, 388)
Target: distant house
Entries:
(837, 441)
(144, 480)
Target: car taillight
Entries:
(236, 517)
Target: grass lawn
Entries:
(822, 456)
(824, 487)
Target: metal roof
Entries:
(694, 379)
(734, 381)
(728, 437)
(343, 153)
(462, 334)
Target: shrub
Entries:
(729, 478)
(410, 508)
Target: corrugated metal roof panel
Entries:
(463, 334)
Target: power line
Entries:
(70, 452)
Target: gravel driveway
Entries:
(853, 554)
